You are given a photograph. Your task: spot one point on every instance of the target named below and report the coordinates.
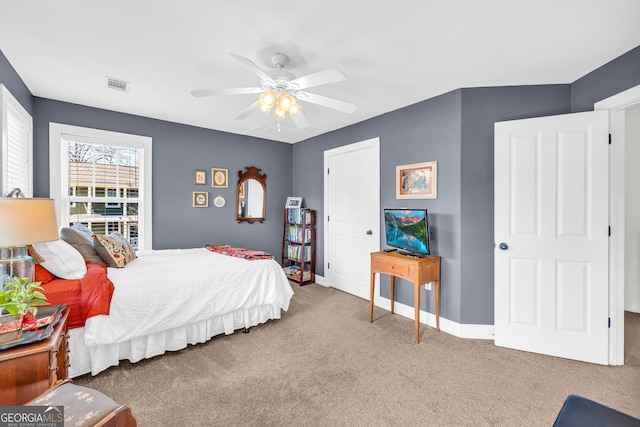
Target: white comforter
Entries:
(165, 289)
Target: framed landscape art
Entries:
(417, 181)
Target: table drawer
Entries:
(391, 267)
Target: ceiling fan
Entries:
(278, 89)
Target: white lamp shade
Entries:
(26, 221)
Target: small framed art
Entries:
(417, 181)
(200, 177)
(219, 178)
(293, 202)
(241, 190)
(200, 199)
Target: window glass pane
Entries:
(103, 187)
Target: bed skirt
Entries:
(94, 359)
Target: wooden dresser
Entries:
(27, 371)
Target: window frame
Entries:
(58, 170)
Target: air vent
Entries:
(117, 84)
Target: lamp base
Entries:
(15, 262)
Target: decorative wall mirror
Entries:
(251, 198)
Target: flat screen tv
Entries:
(407, 230)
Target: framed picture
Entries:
(200, 199)
(241, 190)
(293, 202)
(417, 181)
(219, 178)
(200, 177)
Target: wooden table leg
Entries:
(436, 289)
(392, 279)
(416, 304)
(373, 284)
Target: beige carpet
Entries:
(324, 364)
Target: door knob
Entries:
(369, 232)
(503, 246)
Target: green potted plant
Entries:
(19, 299)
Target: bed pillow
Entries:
(114, 249)
(80, 237)
(61, 259)
(42, 275)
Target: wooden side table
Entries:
(27, 371)
(416, 270)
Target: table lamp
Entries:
(23, 221)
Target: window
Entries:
(17, 141)
(102, 179)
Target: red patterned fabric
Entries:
(87, 297)
(248, 254)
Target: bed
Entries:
(162, 300)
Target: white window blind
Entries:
(17, 140)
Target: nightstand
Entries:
(27, 371)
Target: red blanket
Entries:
(86, 297)
(239, 252)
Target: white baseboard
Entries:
(483, 332)
(320, 281)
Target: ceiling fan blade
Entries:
(300, 120)
(228, 91)
(325, 101)
(252, 66)
(329, 75)
(247, 111)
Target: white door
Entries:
(551, 235)
(352, 215)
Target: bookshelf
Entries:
(299, 245)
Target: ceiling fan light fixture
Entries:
(266, 100)
(280, 113)
(286, 101)
(294, 108)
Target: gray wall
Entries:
(456, 129)
(462, 216)
(481, 108)
(14, 83)
(614, 77)
(178, 150)
(426, 131)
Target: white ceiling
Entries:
(393, 54)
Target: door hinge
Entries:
(328, 265)
(327, 218)
(609, 139)
(609, 322)
(609, 231)
(327, 171)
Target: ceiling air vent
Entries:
(117, 84)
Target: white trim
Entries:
(320, 280)
(57, 130)
(617, 104)
(459, 330)
(7, 100)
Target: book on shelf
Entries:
(295, 234)
(299, 216)
(299, 253)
